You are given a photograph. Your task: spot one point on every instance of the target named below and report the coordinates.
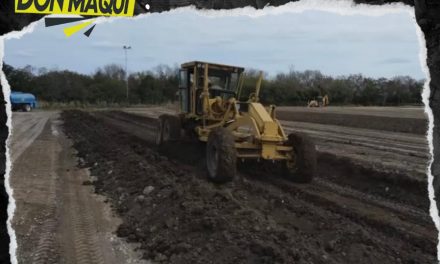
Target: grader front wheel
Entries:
(303, 167)
(221, 155)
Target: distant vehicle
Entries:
(23, 101)
(321, 101)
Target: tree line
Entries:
(107, 85)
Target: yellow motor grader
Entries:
(211, 112)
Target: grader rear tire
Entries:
(159, 131)
(304, 168)
(168, 129)
(221, 155)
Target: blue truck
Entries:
(23, 101)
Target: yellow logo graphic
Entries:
(77, 7)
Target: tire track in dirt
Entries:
(382, 150)
(43, 151)
(81, 238)
(47, 247)
(46, 252)
(414, 213)
(404, 153)
(58, 219)
(85, 227)
(375, 231)
(382, 123)
(86, 246)
(414, 150)
(363, 212)
(398, 138)
(31, 127)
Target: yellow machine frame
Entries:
(257, 132)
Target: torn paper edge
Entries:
(423, 57)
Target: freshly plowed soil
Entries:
(386, 123)
(178, 216)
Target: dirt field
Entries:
(367, 205)
(393, 119)
(58, 219)
(389, 150)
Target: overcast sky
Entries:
(380, 46)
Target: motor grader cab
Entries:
(209, 110)
(221, 82)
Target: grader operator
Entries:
(210, 112)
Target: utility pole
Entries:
(126, 48)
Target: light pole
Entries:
(126, 48)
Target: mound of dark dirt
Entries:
(179, 217)
(392, 186)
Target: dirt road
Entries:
(58, 219)
(351, 213)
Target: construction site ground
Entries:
(368, 203)
(57, 218)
